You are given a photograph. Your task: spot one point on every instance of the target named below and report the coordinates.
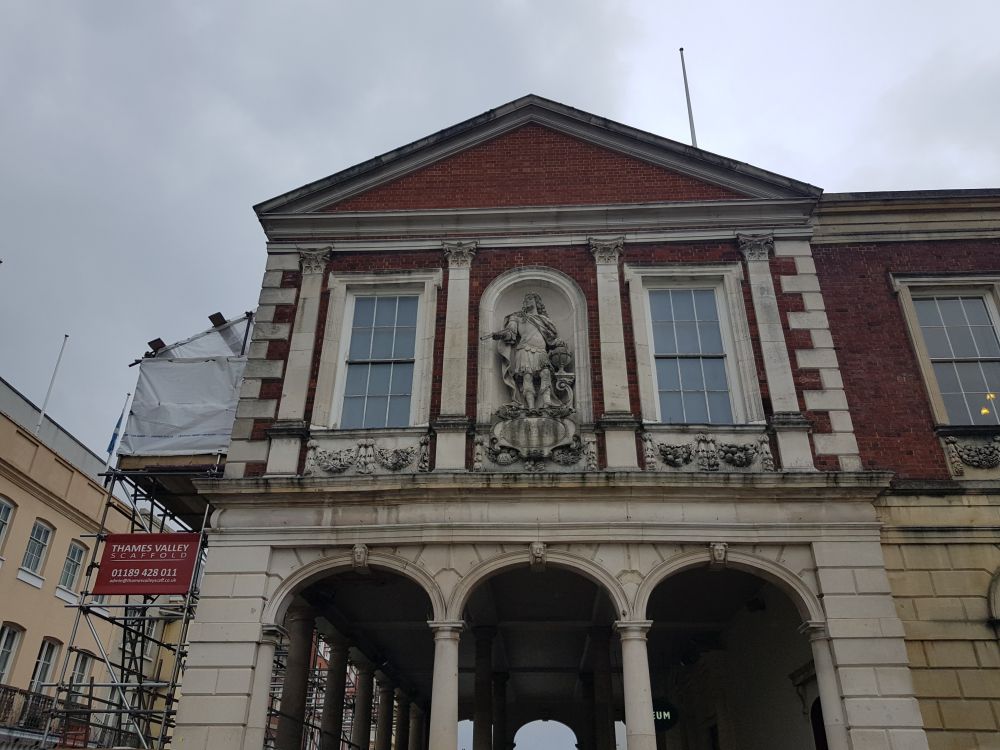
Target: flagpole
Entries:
(687, 95)
(52, 381)
(116, 435)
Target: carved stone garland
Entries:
(366, 457)
(975, 455)
(707, 453)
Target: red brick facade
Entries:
(887, 396)
(533, 166)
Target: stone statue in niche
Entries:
(536, 425)
(534, 361)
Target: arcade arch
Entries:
(356, 662)
(729, 662)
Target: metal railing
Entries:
(22, 709)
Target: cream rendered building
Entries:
(50, 507)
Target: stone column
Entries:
(332, 723)
(300, 622)
(790, 426)
(587, 727)
(639, 731)
(617, 422)
(604, 734)
(453, 424)
(361, 728)
(500, 710)
(482, 727)
(287, 434)
(383, 722)
(444, 691)
(829, 690)
(417, 726)
(402, 721)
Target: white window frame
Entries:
(741, 369)
(7, 510)
(910, 287)
(11, 634)
(74, 583)
(44, 557)
(332, 377)
(86, 660)
(36, 685)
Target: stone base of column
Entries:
(452, 438)
(791, 429)
(286, 440)
(619, 441)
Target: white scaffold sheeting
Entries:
(183, 406)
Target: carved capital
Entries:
(606, 252)
(633, 630)
(314, 261)
(756, 246)
(459, 254)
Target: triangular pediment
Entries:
(535, 152)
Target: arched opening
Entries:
(541, 649)
(354, 663)
(729, 669)
(545, 735)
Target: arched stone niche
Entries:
(566, 306)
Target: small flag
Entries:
(114, 435)
(118, 428)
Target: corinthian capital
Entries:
(606, 251)
(314, 261)
(756, 246)
(459, 254)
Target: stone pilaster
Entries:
(619, 429)
(451, 429)
(791, 429)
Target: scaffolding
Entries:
(134, 705)
(312, 722)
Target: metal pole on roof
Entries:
(52, 381)
(687, 95)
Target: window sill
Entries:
(972, 430)
(710, 429)
(66, 595)
(363, 433)
(32, 579)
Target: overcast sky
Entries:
(137, 135)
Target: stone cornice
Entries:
(555, 533)
(726, 216)
(907, 216)
(678, 157)
(47, 497)
(698, 487)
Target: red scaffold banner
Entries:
(147, 564)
